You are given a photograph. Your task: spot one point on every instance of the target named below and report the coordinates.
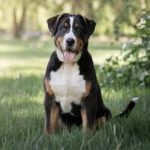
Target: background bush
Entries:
(133, 64)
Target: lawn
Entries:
(22, 66)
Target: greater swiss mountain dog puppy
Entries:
(72, 92)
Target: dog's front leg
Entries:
(88, 113)
(51, 116)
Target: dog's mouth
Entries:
(69, 54)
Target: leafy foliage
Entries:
(133, 65)
(110, 16)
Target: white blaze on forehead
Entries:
(71, 27)
(70, 34)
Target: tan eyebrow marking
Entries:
(76, 25)
(66, 24)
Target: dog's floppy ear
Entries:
(53, 23)
(89, 25)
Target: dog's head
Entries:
(71, 33)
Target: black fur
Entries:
(92, 103)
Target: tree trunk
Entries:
(19, 24)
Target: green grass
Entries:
(22, 66)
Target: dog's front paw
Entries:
(49, 130)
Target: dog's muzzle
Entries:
(69, 52)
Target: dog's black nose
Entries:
(70, 41)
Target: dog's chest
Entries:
(68, 85)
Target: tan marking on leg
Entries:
(99, 122)
(54, 116)
(87, 88)
(46, 129)
(48, 88)
(95, 125)
(102, 121)
(84, 119)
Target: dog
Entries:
(72, 93)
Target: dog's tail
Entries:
(126, 112)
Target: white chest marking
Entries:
(67, 85)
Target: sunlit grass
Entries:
(32, 56)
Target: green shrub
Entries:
(133, 64)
